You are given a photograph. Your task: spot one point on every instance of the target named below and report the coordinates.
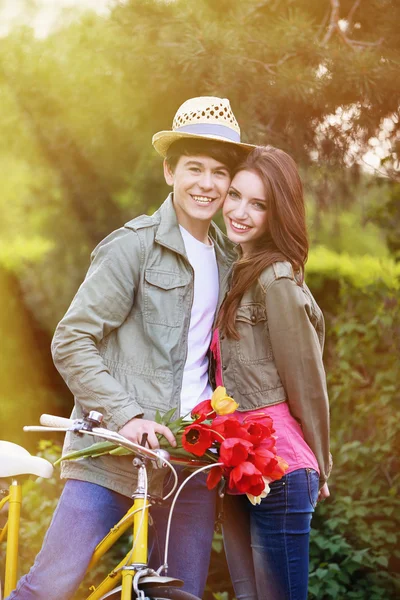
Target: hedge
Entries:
(356, 533)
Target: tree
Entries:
(87, 99)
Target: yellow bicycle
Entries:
(131, 578)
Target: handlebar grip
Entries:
(53, 421)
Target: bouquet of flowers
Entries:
(245, 450)
(242, 450)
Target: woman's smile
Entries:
(239, 227)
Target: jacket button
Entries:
(253, 318)
(222, 337)
(224, 367)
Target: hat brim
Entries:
(163, 140)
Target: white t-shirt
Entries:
(195, 384)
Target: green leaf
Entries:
(93, 450)
(166, 417)
(119, 451)
(382, 560)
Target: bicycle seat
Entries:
(15, 460)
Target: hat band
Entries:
(210, 129)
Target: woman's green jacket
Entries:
(278, 357)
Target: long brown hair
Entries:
(286, 235)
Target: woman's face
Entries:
(245, 210)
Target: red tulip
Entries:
(264, 460)
(279, 470)
(247, 479)
(257, 431)
(234, 451)
(197, 439)
(269, 443)
(260, 417)
(214, 477)
(203, 411)
(229, 427)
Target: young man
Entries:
(135, 340)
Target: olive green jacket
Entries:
(278, 357)
(122, 345)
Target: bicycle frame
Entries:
(136, 557)
(137, 516)
(11, 528)
(134, 565)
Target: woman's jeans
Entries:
(85, 514)
(267, 545)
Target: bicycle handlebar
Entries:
(53, 421)
(80, 426)
(88, 426)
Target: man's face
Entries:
(200, 184)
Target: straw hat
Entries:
(205, 117)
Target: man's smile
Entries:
(202, 199)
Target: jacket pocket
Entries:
(254, 344)
(163, 297)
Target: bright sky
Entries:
(47, 15)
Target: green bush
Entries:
(356, 534)
(39, 500)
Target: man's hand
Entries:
(135, 428)
(323, 493)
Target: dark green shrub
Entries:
(40, 498)
(356, 534)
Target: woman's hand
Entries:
(323, 493)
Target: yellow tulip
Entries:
(222, 403)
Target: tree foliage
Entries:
(81, 105)
(316, 78)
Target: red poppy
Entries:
(234, 451)
(196, 439)
(214, 477)
(247, 479)
(203, 411)
(229, 427)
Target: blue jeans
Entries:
(84, 515)
(267, 546)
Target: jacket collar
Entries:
(169, 235)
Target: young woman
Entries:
(268, 349)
